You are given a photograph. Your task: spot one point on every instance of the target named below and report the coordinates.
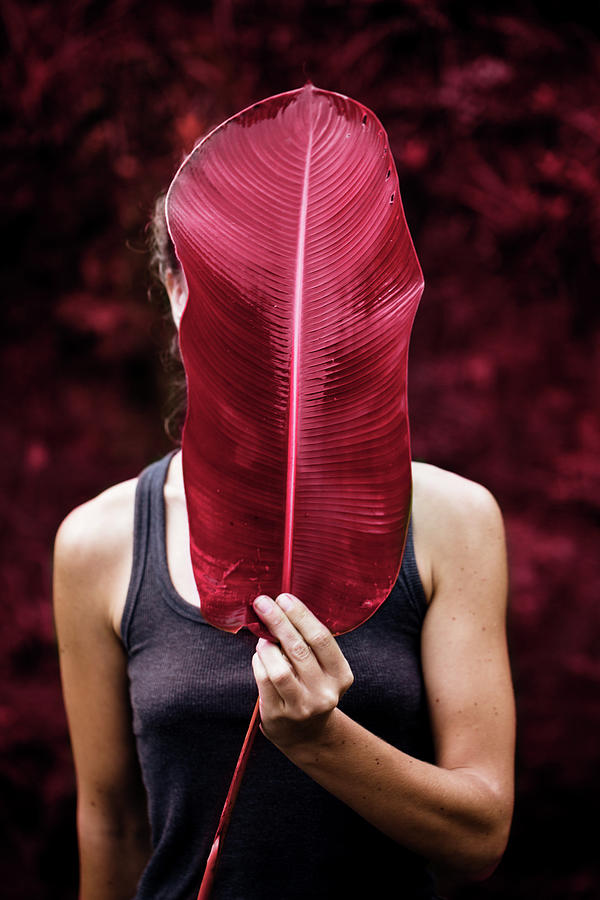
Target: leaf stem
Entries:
(215, 850)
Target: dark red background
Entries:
(492, 111)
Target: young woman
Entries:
(383, 752)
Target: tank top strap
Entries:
(409, 575)
(148, 534)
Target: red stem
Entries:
(215, 850)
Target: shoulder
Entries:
(93, 553)
(98, 525)
(458, 525)
(457, 500)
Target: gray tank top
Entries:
(192, 694)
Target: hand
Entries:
(302, 677)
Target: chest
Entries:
(185, 674)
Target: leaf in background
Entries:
(303, 286)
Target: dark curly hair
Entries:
(162, 261)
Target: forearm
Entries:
(112, 856)
(449, 816)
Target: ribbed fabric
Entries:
(192, 693)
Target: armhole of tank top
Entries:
(140, 550)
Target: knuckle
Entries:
(300, 713)
(300, 616)
(275, 619)
(256, 668)
(281, 677)
(322, 704)
(299, 651)
(329, 700)
(303, 707)
(321, 638)
(347, 679)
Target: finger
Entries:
(316, 635)
(266, 690)
(279, 671)
(292, 643)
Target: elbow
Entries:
(479, 853)
(487, 836)
(484, 864)
(98, 824)
(485, 852)
(467, 867)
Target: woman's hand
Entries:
(301, 677)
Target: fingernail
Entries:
(263, 603)
(285, 601)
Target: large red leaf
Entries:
(303, 285)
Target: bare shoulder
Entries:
(457, 500)
(93, 553)
(457, 523)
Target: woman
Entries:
(381, 750)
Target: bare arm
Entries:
(91, 565)
(456, 813)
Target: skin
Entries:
(457, 813)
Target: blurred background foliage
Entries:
(493, 115)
